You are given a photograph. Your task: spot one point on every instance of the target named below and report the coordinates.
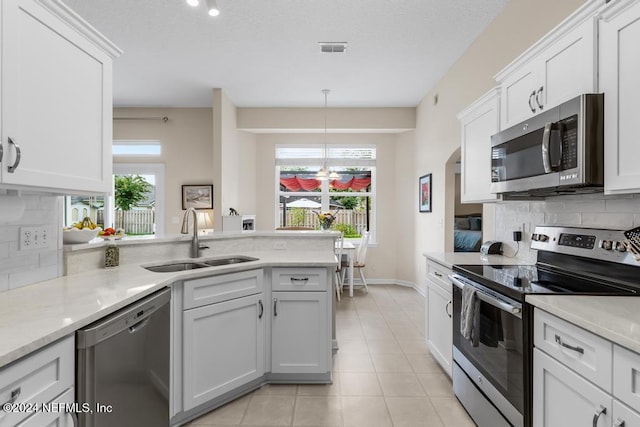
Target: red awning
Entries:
(295, 184)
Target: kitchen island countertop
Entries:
(35, 315)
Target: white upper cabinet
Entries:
(56, 117)
(619, 71)
(479, 122)
(560, 66)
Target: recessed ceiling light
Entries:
(193, 3)
(213, 8)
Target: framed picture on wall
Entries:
(424, 193)
(197, 197)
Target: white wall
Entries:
(520, 24)
(187, 150)
(19, 268)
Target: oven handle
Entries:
(504, 306)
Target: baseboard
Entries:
(398, 282)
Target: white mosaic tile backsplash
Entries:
(19, 267)
(592, 210)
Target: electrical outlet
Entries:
(34, 238)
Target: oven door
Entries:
(494, 357)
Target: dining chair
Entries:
(359, 261)
(339, 246)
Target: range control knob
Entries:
(607, 245)
(619, 246)
(543, 237)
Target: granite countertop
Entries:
(614, 318)
(35, 315)
(448, 259)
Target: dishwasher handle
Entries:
(130, 318)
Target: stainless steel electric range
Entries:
(492, 370)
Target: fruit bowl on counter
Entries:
(110, 233)
(74, 235)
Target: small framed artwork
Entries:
(424, 193)
(197, 197)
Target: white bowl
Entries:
(73, 235)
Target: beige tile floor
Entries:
(383, 375)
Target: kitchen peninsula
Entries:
(291, 276)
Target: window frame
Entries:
(324, 192)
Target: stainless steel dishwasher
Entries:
(122, 366)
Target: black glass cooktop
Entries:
(516, 281)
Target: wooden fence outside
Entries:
(133, 221)
(357, 219)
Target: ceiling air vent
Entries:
(333, 47)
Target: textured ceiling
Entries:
(264, 53)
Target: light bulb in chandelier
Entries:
(334, 175)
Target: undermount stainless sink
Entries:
(172, 268)
(227, 261)
(184, 266)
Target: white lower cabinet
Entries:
(43, 377)
(223, 348)
(581, 379)
(563, 398)
(56, 416)
(439, 309)
(299, 333)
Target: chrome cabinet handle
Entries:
(300, 279)
(597, 414)
(618, 423)
(570, 347)
(15, 393)
(261, 309)
(275, 306)
(437, 274)
(1, 151)
(446, 308)
(15, 164)
(538, 93)
(531, 107)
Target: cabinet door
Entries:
(562, 398)
(300, 337)
(619, 71)
(56, 102)
(568, 66)
(517, 95)
(223, 348)
(440, 330)
(479, 122)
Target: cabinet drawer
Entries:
(438, 274)
(623, 416)
(37, 378)
(626, 376)
(56, 416)
(580, 350)
(299, 279)
(213, 289)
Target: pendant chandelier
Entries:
(324, 174)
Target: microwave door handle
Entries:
(504, 306)
(546, 159)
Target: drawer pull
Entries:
(570, 347)
(446, 308)
(619, 423)
(437, 274)
(14, 396)
(597, 414)
(300, 279)
(261, 309)
(275, 306)
(14, 166)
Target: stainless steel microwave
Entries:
(559, 151)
